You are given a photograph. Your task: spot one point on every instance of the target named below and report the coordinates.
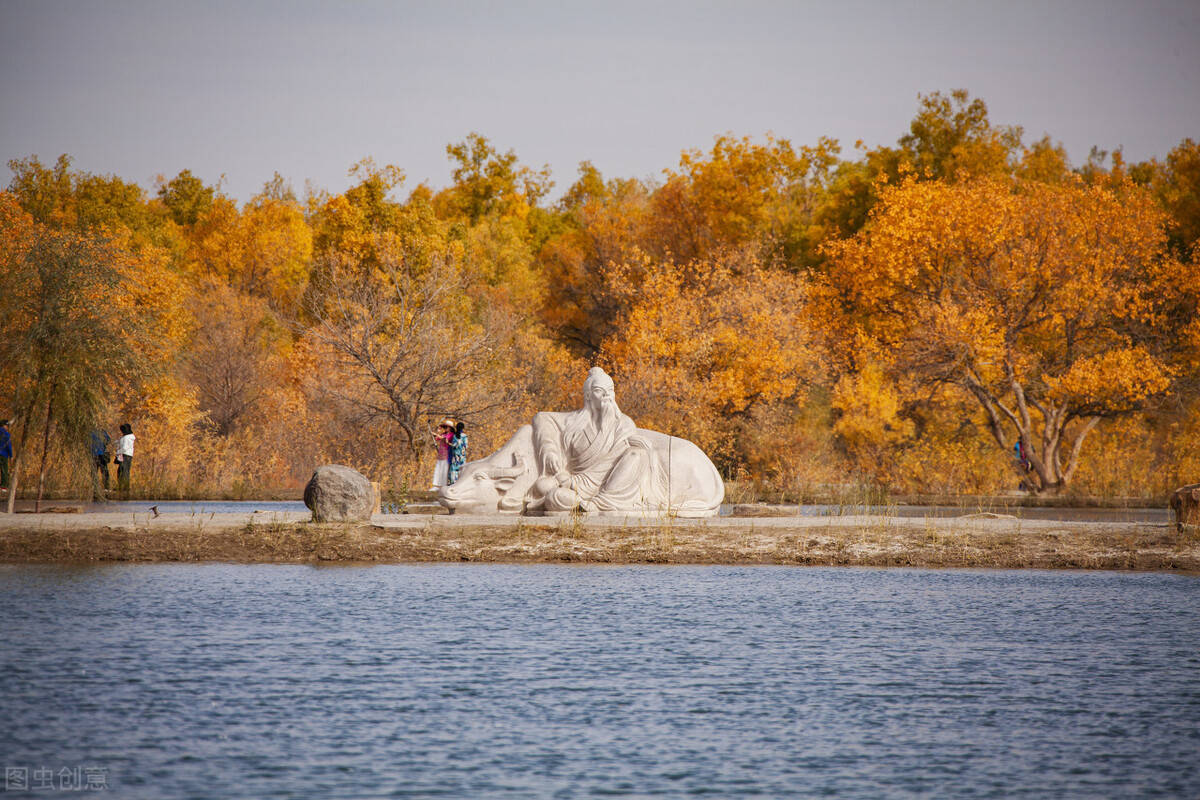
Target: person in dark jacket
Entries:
(124, 457)
(101, 453)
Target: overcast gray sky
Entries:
(244, 89)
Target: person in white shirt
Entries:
(124, 457)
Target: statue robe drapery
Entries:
(605, 468)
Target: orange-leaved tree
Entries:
(1037, 300)
(743, 194)
(235, 355)
(264, 250)
(699, 347)
(604, 220)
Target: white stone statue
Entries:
(592, 461)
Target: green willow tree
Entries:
(82, 319)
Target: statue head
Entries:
(599, 397)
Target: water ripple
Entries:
(552, 681)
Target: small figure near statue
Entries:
(591, 461)
(450, 439)
(458, 451)
(442, 440)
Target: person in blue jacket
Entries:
(5, 453)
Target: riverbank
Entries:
(973, 540)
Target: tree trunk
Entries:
(37, 503)
(18, 448)
(1077, 445)
(12, 479)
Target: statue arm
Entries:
(547, 448)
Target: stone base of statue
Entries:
(591, 461)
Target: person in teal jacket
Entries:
(458, 451)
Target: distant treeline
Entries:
(963, 312)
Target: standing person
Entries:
(5, 454)
(124, 457)
(458, 451)
(442, 439)
(1025, 466)
(101, 452)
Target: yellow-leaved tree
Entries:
(870, 423)
(264, 249)
(743, 194)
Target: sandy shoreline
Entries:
(974, 540)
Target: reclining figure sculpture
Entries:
(592, 461)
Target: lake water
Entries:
(223, 681)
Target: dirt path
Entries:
(982, 540)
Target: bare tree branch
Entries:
(409, 341)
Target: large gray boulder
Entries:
(1185, 502)
(339, 494)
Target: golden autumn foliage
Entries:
(404, 341)
(742, 194)
(235, 356)
(1035, 299)
(701, 345)
(265, 249)
(870, 422)
(899, 316)
(603, 225)
(167, 413)
(1177, 184)
(951, 138)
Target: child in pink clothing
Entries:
(443, 438)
